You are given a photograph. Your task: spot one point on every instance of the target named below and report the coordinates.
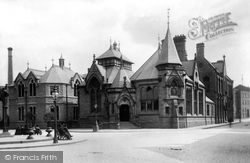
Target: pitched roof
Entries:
(113, 53)
(37, 73)
(218, 65)
(119, 79)
(169, 53)
(189, 67)
(209, 100)
(148, 70)
(57, 74)
(242, 88)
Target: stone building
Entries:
(219, 87)
(165, 92)
(242, 101)
(30, 94)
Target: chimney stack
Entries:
(180, 44)
(10, 66)
(200, 50)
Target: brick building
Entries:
(30, 94)
(165, 92)
(219, 87)
(242, 102)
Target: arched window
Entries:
(75, 87)
(20, 89)
(95, 95)
(32, 88)
(189, 99)
(149, 98)
(21, 113)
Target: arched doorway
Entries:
(124, 113)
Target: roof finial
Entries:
(110, 43)
(168, 18)
(28, 65)
(121, 61)
(69, 65)
(45, 68)
(94, 58)
(159, 41)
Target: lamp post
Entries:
(96, 125)
(54, 96)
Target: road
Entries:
(221, 144)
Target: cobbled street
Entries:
(220, 144)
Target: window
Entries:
(52, 89)
(21, 113)
(208, 110)
(20, 89)
(167, 110)
(189, 99)
(113, 108)
(201, 102)
(95, 95)
(32, 88)
(180, 110)
(75, 113)
(75, 87)
(149, 98)
(33, 113)
(195, 98)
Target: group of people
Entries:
(63, 131)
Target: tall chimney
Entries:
(10, 66)
(200, 50)
(180, 44)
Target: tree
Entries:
(48, 117)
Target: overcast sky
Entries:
(41, 30)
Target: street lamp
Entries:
(96, 126)
(54, 96)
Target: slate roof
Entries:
(219, 65)
(38, 73)
(169, 53)
(242, 88)
(148, 70)
(113, 53)
(119, 79)
(189, 67)
(57, 74)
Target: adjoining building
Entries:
(242, 102)
(30, 95)
(219, 87)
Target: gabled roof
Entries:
(219, 65)
(148, 70)
(38, 73)
(57, 74)
(119, 79)
(189, 67)
(169, 53)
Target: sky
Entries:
(39, 31)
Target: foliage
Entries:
(48, 116)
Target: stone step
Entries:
(127, 125)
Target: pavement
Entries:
(21, 141)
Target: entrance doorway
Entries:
(124, 113)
